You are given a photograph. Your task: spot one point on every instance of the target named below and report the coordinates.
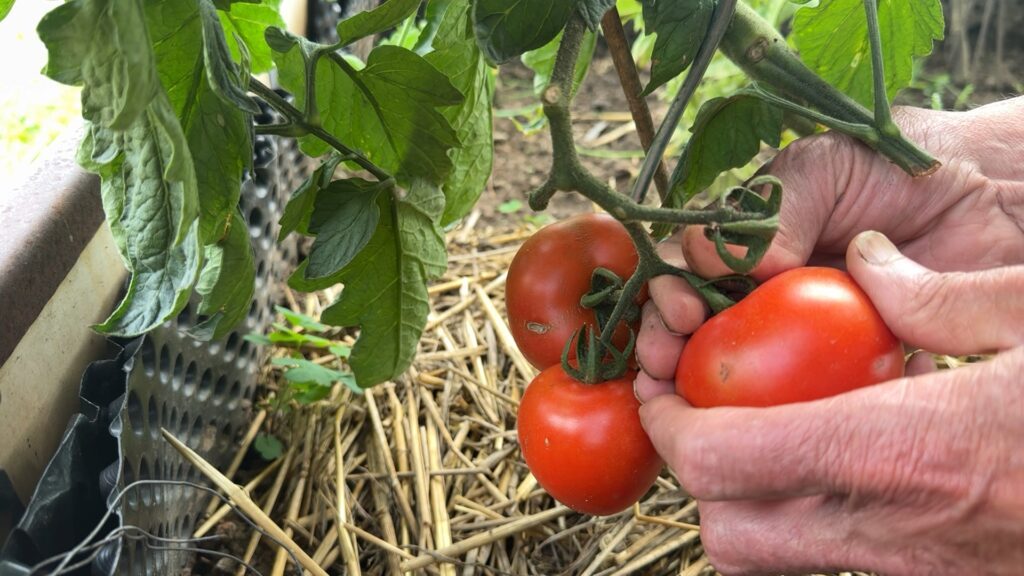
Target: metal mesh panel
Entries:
(202, 392)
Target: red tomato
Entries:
(549, 275)
(805, 334)
(584, 442)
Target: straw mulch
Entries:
(431, 479)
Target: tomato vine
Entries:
(404, 137)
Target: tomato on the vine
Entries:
(549, 275)
(805, 334)
(584, 442)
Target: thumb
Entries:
(950, 313)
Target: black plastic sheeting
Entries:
(69, 501)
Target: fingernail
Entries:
(665, 326)
(646, 388)
(875, 248)
(636, 393)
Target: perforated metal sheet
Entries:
(202, 392)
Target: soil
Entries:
(522, 160)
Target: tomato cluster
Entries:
(805, 334)
(583, 442)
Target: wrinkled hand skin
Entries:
(921, 475)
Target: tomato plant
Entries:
(549, 275)
(584, 443)
(805, 334)
(403, 136)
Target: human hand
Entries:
(969, 215)
(921, 475)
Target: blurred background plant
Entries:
(34, 110)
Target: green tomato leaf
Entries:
(302, 320)
(457, 56)
(300, 206)
(726, 134)
(542, 62)
(680, 27)
(344, 218)
(833, 41)
(103, 46)
(298, 280)
(5, 8)
(433, 15)
(247, 22)
(386, 285)
(149, 195)
(279, 39)
(389, 109)
(370, 22)
(510, 206)
(258, 339)
(507, 28)
(268, 446)
(218, 132)
(226, 282)
(593, 11)
(305, 375)
(221, 72)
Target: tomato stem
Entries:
(595, 361)
(303, 125)
(629, 79)
(883, 116)
(760, 51)
(722, 16)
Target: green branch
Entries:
(299, 125)
(757, 48)
(568, 174)
(883, 116)
(716, 31)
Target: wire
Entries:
(87, 544)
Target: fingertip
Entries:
(702, 256)
(680, 309)
(921, 363)
(657, 348)
(703, 259)
(647, 388)
(661, 415)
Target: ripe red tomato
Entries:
(805, 334)
(584, 442)
(549, 275)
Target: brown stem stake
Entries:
(629, 78)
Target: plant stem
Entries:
(285, 130)
(757, 48)
(723, 15)
(299, 121)
(626, 210)
(629, 78)
(275, 100)
(648, 265)
(883, 116)
(567, 173)
(862, 131)
(312, 112)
